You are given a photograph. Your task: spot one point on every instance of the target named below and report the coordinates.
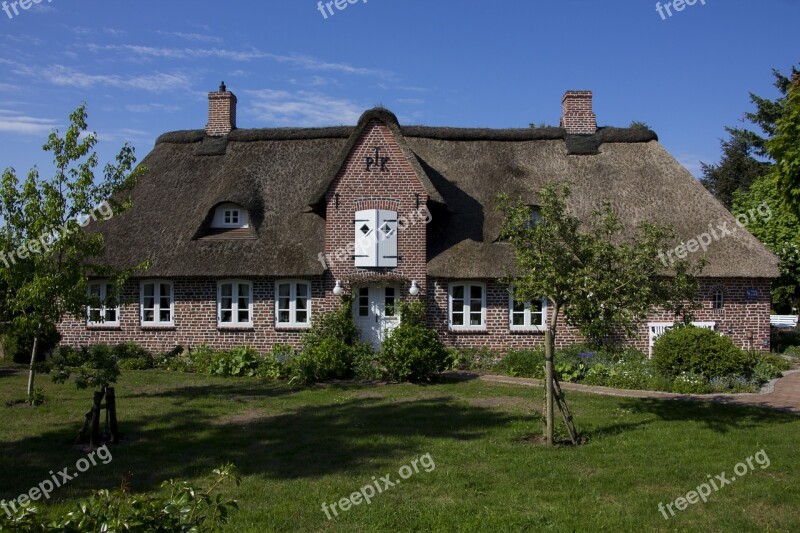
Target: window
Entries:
(718, 299)
(293, 303)
(104, 308)
(157, 303)
(389, 301)
(235, 304)
(536, 216)
(229, 216)
(467, 306)
(376, 238)
(363, 301)
(527, 316)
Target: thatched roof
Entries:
(280, 175)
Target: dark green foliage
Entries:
(94, 367)
(324, 359)
(413, 352)
(17, 344)
(482, 358)
(690, 383)
(523, 364)
(185, 508)
(765, 371)
(779, 362)
(698, 350)
(131, 356)
(783, 339)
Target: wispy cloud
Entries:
(302, 108)
(13, 122)
(114, 32)
(122, 135)
(64, 76)
(252, 54)
(196, 37)
(149, 108)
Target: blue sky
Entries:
(146, 67)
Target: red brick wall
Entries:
(221, 113)
(397, 190)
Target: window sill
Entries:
(103, 327)
(158, 327)
(468, 331)
(247, 327)
(291, 327)
(528, 331)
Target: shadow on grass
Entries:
(373, 435)
(718, 417)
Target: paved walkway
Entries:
(782, 394)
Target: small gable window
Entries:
(230, 216)
(718, 299)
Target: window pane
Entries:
(302, 290)
(476, 292)
(458, 319)
(111, 315)
(301, 304)
(149, 315)
(164, 302)
(165, 315)
(519, 307)
(149, 289)
(94, 315)
(284, 289)
(476, 319)
(227, 289)
(458, 291)
(149, 302)
(389, 301)
(302, 317)
(518, 319)
(244, 315)
(244, 290)
(283, 304)
(537, 319)
(226, 316)
(283, 317)
(458, 306)
(363, 301)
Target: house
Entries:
(253, 233)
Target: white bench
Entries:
(783, 321)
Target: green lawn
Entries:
(298, 448)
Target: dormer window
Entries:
(230, 216)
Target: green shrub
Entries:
(701, 351)
(598, 375)
(783, 339)
(413, 352)
(765, 371)
(523, 364)
(322, 360)
(202, 359)
(182, 507)
(792, 351)
(365, 362)
(689, 383)
(482, 358)
(779, 362)
(17, 344)
(638, 375)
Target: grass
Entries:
(297, 448)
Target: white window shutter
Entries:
(387, 239)
(366, 240)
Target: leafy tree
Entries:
(604, 278)
(49, 258)
(779, 231)
(784, 148)
(744, 157)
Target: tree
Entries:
(744, 153)
(779, 229)
(604, 278)
(784, 148)
(47, 255)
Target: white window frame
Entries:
(157, 309)
(224, 214)
(293, 322)
(468, 285)
(103, 309)
(721, 292)
(235, 322)
(527, 313)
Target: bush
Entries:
(765, 371)
(523, 364)
(365, 362)
(17, 344)
(732, 384)
(474, 358)
(782, 339)
(632, 375)
(701, 351)
(325, 359)
(779, 362)
(131, 356)
(598, 375)
(792, 351)
(689, 383)
(184, 507)
(413, 352)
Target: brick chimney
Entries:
(577, 115)
(221, 112)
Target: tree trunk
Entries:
(111, 410)
(548, 386)
(32, 371)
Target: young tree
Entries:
(784, 148)
(604, 278)
(46, 257)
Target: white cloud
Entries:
(12, 122)
(253, 54)
(148, 108)
(68, 77)
(198, 37)
(114, 32)
(302, 108)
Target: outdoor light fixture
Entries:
(414, 290)
(338, 290)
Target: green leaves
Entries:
(604, 276)
(784, 148)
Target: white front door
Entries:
(376, 313)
